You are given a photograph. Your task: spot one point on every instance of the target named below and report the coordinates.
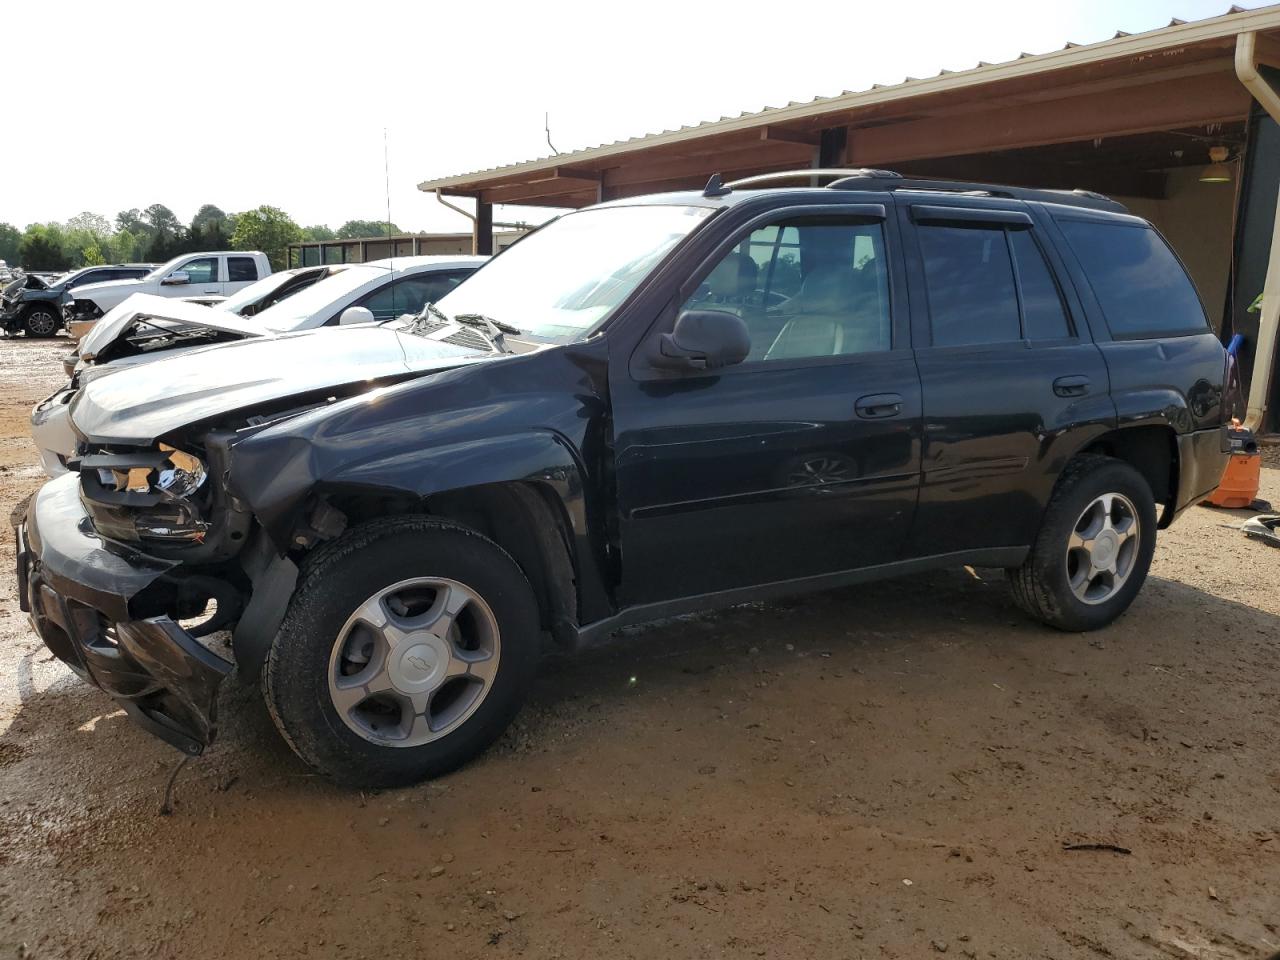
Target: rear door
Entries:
(1007, 368)
(241, 271)
(801, 461)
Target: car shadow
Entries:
(862, 629)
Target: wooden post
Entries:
(482, 231)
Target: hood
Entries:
(119, 288)
(156, 398)
(119, 321)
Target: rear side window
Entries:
(969, 281)
(1043, 315)
(1139, 283)
(240, 269)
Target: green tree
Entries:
(94, 223)
(318, 232)
(130, 220)
(356, 229)
(10, 238)
(42, 248)
(211, 228)
(268, 229)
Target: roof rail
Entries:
(888, 180)
(808, 173)
(1075, 198)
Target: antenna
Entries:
(546, 125)
(386, 172)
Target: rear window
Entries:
(1139, 283)
(240, 269)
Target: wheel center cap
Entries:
(417, 665)
(1104, 549)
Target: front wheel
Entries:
(406, 650)
(1094, 548)
(41, 321)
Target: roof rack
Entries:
(888, 180)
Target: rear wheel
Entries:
(1094, 548)
(406, 650)
(41, 320)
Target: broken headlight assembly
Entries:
(161, 495)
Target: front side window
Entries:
(806, 288)
(1139, 283)
(565, 279)
(241, 269)
(204, 270)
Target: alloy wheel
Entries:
(414, 661)
(42, 323)
(1103, 548)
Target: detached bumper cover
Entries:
(78, 595)
(1202, 458)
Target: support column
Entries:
(831, 144)
(482, 230)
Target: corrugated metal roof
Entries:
(1178, 32)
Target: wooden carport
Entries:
(1121, 117)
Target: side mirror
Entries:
(177, 277)
(703, 340)
(356, 315)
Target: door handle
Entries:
(878, 406)
(1074, 386)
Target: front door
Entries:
(202, 278)
(802, 461)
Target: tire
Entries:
(1043, 585)
(42, 321)
(306, 662)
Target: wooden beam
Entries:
(767, 154)
(1104, 176)
(482, 230)
(781, 135)
(1143, 109)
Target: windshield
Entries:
(256, 291)
(319, 296)
(563, 280)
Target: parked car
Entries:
(146, 314)
(618, 420)
(146, 327)
(33, 305)
(192, 274)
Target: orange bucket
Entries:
(1239, 486)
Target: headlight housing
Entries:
(153, 495)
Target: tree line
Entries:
(155, 235)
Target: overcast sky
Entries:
(118, 105)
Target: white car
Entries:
(219, 272)
(145, 328)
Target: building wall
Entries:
(1196, 218)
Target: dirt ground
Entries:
(893, 770)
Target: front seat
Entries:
(838, 311)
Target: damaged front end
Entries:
(112, 615)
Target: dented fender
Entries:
(500, 422)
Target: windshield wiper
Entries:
(491, 328)
(428, 310)
(480, 319)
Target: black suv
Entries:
(34, 305)
(648, 407)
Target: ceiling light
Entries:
(1218, 171)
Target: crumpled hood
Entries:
(118, 321)
(153, 399)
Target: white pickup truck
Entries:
(217, 273)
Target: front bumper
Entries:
(52, 432)
(80, 597)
